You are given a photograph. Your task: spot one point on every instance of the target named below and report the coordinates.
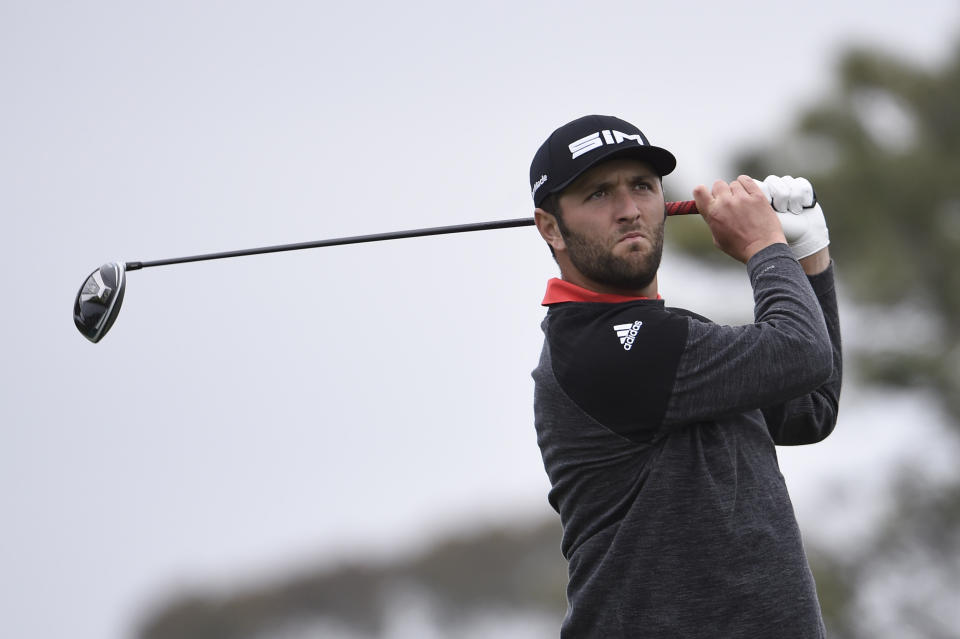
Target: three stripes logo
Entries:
(627, 333)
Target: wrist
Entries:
(816, 263)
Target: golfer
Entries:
(658, 427)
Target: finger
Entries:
(736, 188)
(720, 188)
(749, 185)
(703, 198)
(807, 196)
(779, 193)
(794, 194)
(763, 188)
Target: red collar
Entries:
(562, 291)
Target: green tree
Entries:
(883, 153)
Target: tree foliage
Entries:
(490, 570)
(884, 156)
(883, 153)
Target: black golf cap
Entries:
(583, 143)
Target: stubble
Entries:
(596, 260)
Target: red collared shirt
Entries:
(559, 291)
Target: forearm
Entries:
(810, 418)
(784, 354)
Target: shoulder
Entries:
(682, 312)
(588, 321)
(617, 361)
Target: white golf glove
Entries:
(800, 214)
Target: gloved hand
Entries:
(800, 214)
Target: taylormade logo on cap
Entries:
(593, 141)
(538, 184)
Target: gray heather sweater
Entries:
(657, 429)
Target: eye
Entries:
(596, 195)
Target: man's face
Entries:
(611, 221)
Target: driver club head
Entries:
(99, 299)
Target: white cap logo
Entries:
(539, 183)
(594, 141)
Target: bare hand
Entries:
(739, 216)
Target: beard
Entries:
(596, 259)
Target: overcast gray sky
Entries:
(246, 415)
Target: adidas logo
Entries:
(627, 333)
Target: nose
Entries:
(626, 209)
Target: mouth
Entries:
(628, 237)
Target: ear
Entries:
(549, 229)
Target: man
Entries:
(657, 427)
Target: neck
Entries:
(575, 277)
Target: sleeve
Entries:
(810, 418)
(785, 354)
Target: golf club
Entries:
(99, 299)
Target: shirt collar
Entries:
(559, 291)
